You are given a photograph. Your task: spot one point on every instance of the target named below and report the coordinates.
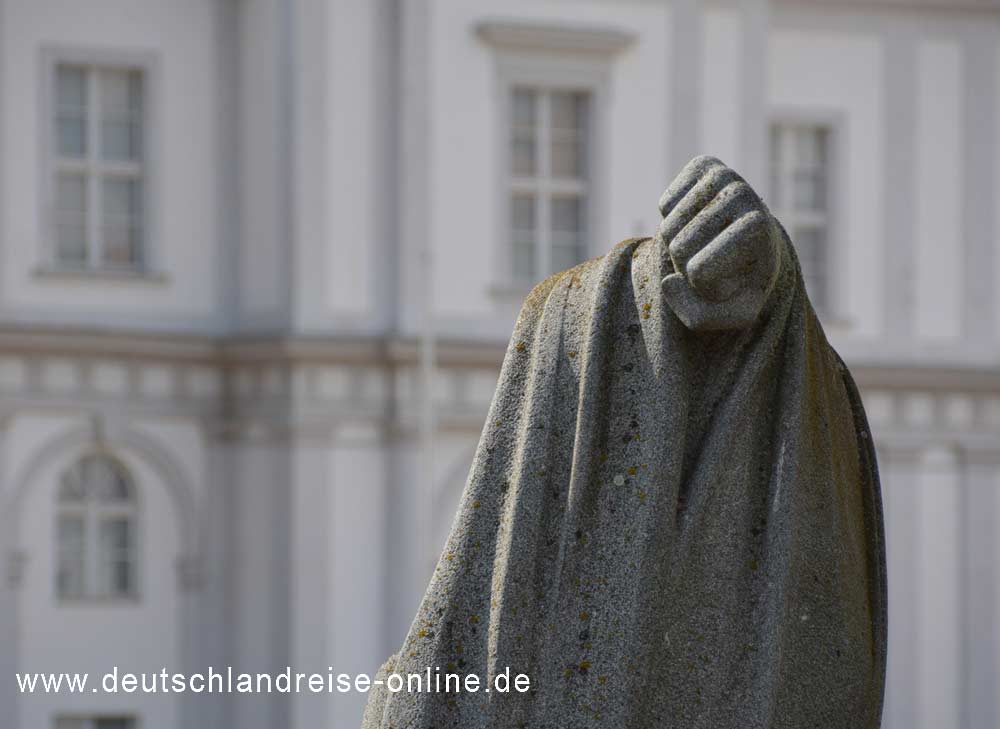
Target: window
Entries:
(97, 220)
(549, 160)
(117, 722)
(96, 530)
(800, 192)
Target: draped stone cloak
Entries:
(661, 528)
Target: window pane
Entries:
(523, 259)
(523, 157)
(810, 152)
(71, 193)
(523, 232)
(115, 536)
(121, 91)
(121, 199)
(71, 487)
(569, 123)
(121, 114)
(71, 243)
(567, 215)
(115, 548)
(106, 480)
(524, 108)
(71, 111)
(810, 245)
(569, 110)
(809, 167)
(523, 145)
(810, 191)
(70, 569)
(71, 135)
(567, 157)
(523, 213)
(121, 245)
(71, 88)
(70, 220)
(115, 578)
(122, 224)
(567, 232)
(120, 140)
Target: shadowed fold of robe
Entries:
(661, 528)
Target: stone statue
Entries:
(673, 519)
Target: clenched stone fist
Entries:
(725, 246)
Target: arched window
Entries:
(96, 530)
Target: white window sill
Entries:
(100, 274)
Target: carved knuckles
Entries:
(724, 244)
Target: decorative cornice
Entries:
(263, 354)
(561, 38)
(940, 379)
(241, 350)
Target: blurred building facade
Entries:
(227, 228)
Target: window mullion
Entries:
(543, 256)
(93, 178)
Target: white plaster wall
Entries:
(936, 688)
(180, 36)
(54, 637)
(353, 133)
(361, 546)
(263, 176)
(311, 599)
(939, 190)
(901, 504)
(465, 175)
(720, 98)
(996, 178)
(260, 577)
(841, 73)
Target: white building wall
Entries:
(940, 189)
(179, 41)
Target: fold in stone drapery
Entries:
(661, 528)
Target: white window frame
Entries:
(92, 515)
(147, 65)
(549, 58)
(543, 186)
(836, 125)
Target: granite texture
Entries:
(673, 518)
